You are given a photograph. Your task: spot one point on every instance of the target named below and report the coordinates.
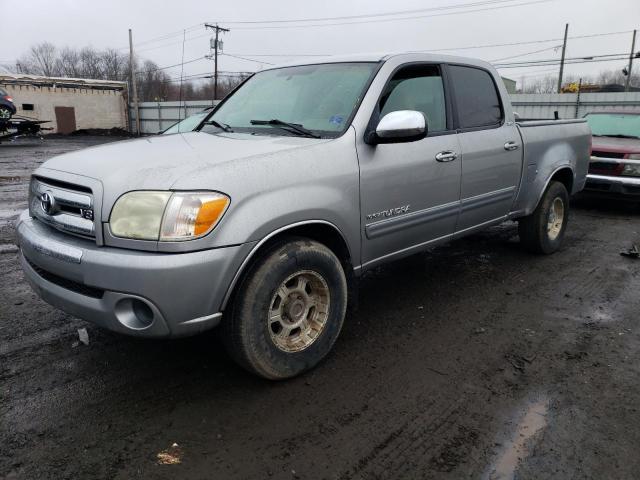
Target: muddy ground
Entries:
(475, 360)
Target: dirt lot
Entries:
(459, 362)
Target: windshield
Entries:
(186, 125)
(319, 98)
(614, 124)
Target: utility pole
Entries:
(631, 55)
(134, 84)
(564, 49)
(578, 98)
(215, 56)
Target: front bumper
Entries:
(134, 292)
(614, 185)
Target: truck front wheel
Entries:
(544, 229)
(288, 310)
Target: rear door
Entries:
(408, 197)
(491, 148)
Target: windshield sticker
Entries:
(336, 119)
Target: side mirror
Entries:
(400, 126)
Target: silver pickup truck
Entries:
(302, 179)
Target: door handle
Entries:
(511, 146)
(446, 156)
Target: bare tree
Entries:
(41, 60)
(69, 63)
(153, 83)
(90, 63)
(115, 65)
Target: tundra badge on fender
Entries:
(392, 212)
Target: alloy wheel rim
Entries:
(555, 219)
(298, 311)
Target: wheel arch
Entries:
(564, 174)
(321, 231)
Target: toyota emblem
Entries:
(48, 203)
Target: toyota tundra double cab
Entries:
(302, 179)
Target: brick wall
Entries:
(93, 108)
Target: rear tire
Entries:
(543, 230)
(288, 310)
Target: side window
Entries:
(417, 87)
(477, 99)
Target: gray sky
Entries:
(105, 24)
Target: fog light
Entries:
(134, 313)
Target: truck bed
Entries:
(548, 147)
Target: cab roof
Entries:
(383, 57)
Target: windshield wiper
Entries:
(291, 127)
(220, 125)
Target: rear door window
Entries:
(477, 99)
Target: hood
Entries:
(614, 144)
(159, 162)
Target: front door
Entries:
(491, 149)
(410, 192)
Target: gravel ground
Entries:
(474, 360)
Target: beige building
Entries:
(68, 103)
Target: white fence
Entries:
(157, 116)
(572, 105)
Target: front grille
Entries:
(605, 168)
(64, 206)
(66, 283)
(597, 153)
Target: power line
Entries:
(538, 73)
(372, 15)
(141, 72)
(523, 54)
(584, 57)
(383, 20)
(436, 50)
(448, 49)
(567, 62)
(529, 42)
(245, 58)
(165, 36)
(284, 54)
(207, 75)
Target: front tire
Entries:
(288, 311)
(544, 230)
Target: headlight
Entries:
(631, 170)
(634, 156)
(167, 216)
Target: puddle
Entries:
(516, 448)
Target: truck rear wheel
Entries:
(544, 229)
(288, 310)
